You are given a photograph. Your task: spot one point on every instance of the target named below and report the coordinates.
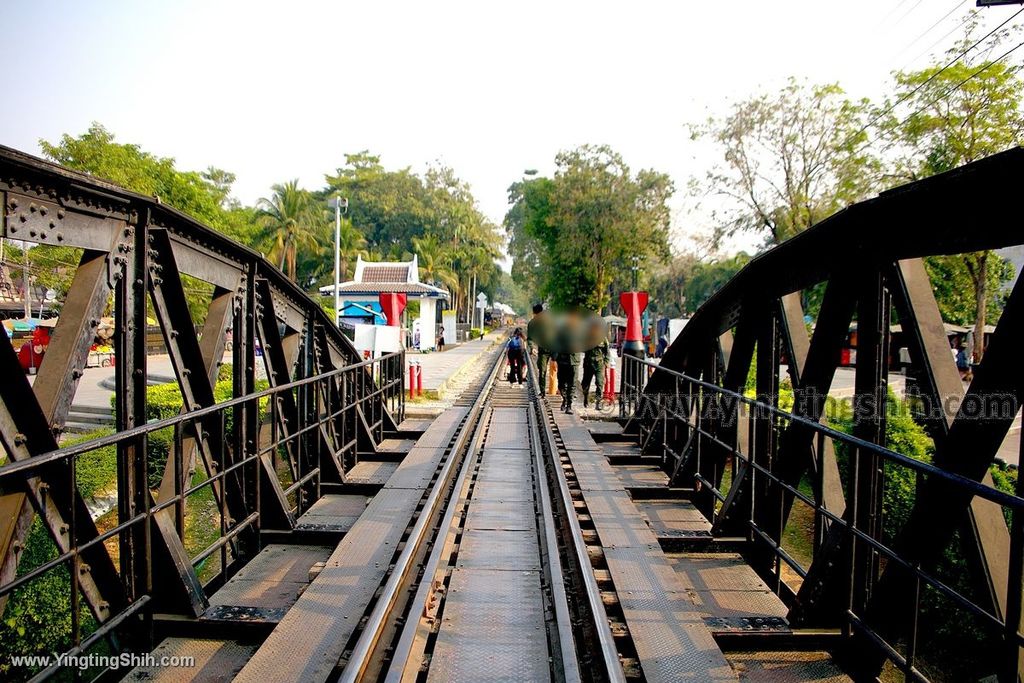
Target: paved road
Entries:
(437, 368)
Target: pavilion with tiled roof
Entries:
(373, 278)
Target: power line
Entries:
(892, 11)
(958, 5)
(874, 119)
(928, 49)
(985, 67)
(908, 12)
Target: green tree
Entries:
(388, 207)
(472, 238)
(435, 262)
(580, 228)
(954, 288)
(351, 243)
(947, 116)
(200, 195)
(791, 158)
(684, 284)
(204, 196)
(291, 218)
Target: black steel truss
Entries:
(266, 452)
(870, 258)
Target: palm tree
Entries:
(434, 262)
(289, 218)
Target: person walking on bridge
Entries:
(516, 358)
(594, 362)
(537, 333)
(567, 364)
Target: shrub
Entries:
(164, 401)
(37, 618)
(96, 471)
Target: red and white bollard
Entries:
(412, 378)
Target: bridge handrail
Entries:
(17, 466)
(974, 487)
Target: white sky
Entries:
(279, 90)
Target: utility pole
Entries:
(27, 296)
(338, 204)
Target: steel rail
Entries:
(549, 544)
(365, 647)
(600, 624)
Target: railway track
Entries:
(502, 581)
(503, 543)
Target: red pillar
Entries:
(634, 304)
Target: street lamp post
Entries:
(339, 204)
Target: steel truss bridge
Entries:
(304, 529)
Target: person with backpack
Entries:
(516, 359)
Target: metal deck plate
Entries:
(643, 570)
(335, 511)
(396, 445)
(414, 424)
(273, 579)
(724, 585)
(504, 468)
(509, 415)
(514, 435)
(603, 427)
(715, 571)
(493, 549)
(506, 491)
(215, 661)
(417, 467)
(513, 453)
(284, 563)
(310, 639)
(739, 604)
(641, 476)
(271, 595)
(492, 629)
(597, 478)
(671, 640)
(371, 472)
(578, 438)
(673, 518)
(443, 428)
